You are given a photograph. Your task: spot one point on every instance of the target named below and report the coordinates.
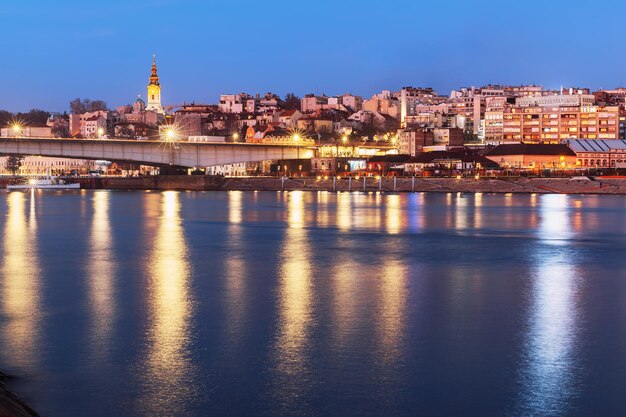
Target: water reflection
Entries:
(549, 372)
(169, 374)
(393, 213)
(344, 211)
(391, 308)
(235, 273)
(295, 307)
(555, 227)
(21, 287)
(101, 271)
(478, 211)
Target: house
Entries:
(289, 118)
(93, 127)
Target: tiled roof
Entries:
(530, 149)
(596, 145)
(465, 155)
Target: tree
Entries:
(80, 106)
(292, 102)
(6, 117)
(34, 117)
(13, 163)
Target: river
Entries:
(313, 303)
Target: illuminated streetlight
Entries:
(296, 137)
(235, 136)
(100, 132)
(16, 128)
(170, 134)
(344, 139)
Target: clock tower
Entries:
(154, 90)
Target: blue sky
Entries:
(54, 51)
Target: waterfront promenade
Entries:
(599, 185)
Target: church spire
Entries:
(154, 78)
(154, 90)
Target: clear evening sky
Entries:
(54, 51)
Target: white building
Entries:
(557, 100)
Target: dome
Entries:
(139, 105)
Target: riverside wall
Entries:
(600, 185)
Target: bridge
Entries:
(154, 153)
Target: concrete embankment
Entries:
(466, 185)
(11, 405)
(601, 185)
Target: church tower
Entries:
(154, 90)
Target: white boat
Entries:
(47, 183)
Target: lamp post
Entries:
(16, 129)
(100, 132)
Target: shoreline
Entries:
(599, 185)
(10, 404)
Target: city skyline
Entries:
(103, 51)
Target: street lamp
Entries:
(100, 132)
(16, 129)
(235, 136)
(170, 134)
(344, 139)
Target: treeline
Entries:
(34, 117)
(37, 117)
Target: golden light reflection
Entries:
(235, 212)
(345, 290)
(101, 274)
(235, 269)
(344, 211)
(295, 301)
(393, 214)
(391, 310)
(322, 212)
(478, 211)
(460, 212)
(168, 361)
(20, 283)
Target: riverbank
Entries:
(600, 185)
(11, 405)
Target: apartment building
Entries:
(551, 124)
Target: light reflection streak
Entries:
(169, 372)
(548, 374)
(21, 291)
(101, 271)
(555, 225)
(235, 268)
(295, 305)
(345, 290)
(393, 213)
(391, 310)
(344, 211)
(323, 216)
(478, 211)
(460, 212)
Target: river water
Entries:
(313, 304)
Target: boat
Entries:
(47, 183)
